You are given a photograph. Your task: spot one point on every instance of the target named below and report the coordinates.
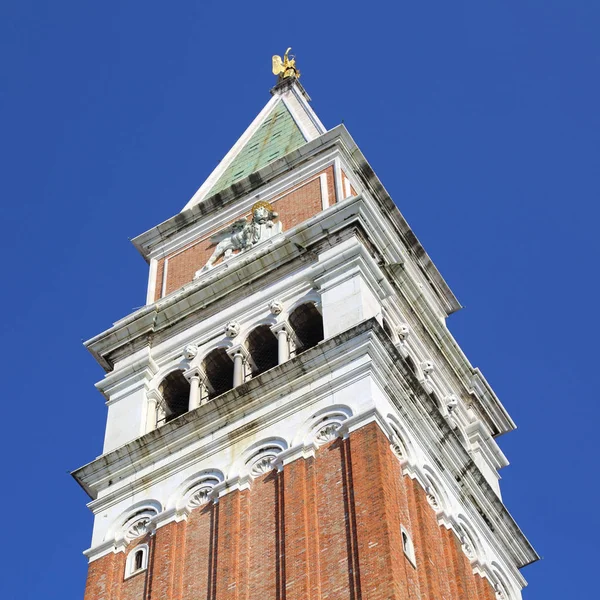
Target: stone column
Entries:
(239, 355)
(151, 417)
(284, 334)
(203, 391)
(154, 398)
(195, 383)
(283, 346)
(238, 368)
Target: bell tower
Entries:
(289, 417)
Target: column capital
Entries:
(238, 349)
(285, 326)
(195, 371)
(282, 325)
(154, 395)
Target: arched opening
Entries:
(408, 547)
(219, 372)
(437, 402)
(411, 365)
(307, 323)
(263, 348)
(386, 327)
(136, 561)
(175, 390)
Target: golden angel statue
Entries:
(286, 67)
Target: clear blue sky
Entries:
(482, 121)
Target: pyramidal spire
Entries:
(285, 123)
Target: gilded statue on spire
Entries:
(286, 67)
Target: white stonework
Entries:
(232, 329)
(355, 376)
(190, 351)
(276, 307)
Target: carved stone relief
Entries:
(397, 446)
(200, 496)
(327, 433)
(451, 402)
(262, 465)
(232, 329)
(427, 367)
(403, 332)
(432, 498)
(276, 307)
(243, 234)
(190, 351)
(137, 529)
(467, 545)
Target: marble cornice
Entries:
(375, 356)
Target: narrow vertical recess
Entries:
(163, 561)
(448, 543)
(263, 579)
(196, 554)
(404, 574)
(365, 460)
(296, 556)
(117, 576)
(351, 534)
(211, 583)
(179, 562)
(312, 532)
(430, 563)
(334, 560)
(459, 572)
(244, 591)
(280, 571)
(227, 547)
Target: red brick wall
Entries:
(324, 528)
(298, 205)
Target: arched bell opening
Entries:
(219, 372)
(263, 348)
(175, 390)
(307, 323)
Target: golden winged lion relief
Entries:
(286, 67)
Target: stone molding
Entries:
(357, 208)
(270, 455)
(346, 349)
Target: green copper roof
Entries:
(276, 137)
